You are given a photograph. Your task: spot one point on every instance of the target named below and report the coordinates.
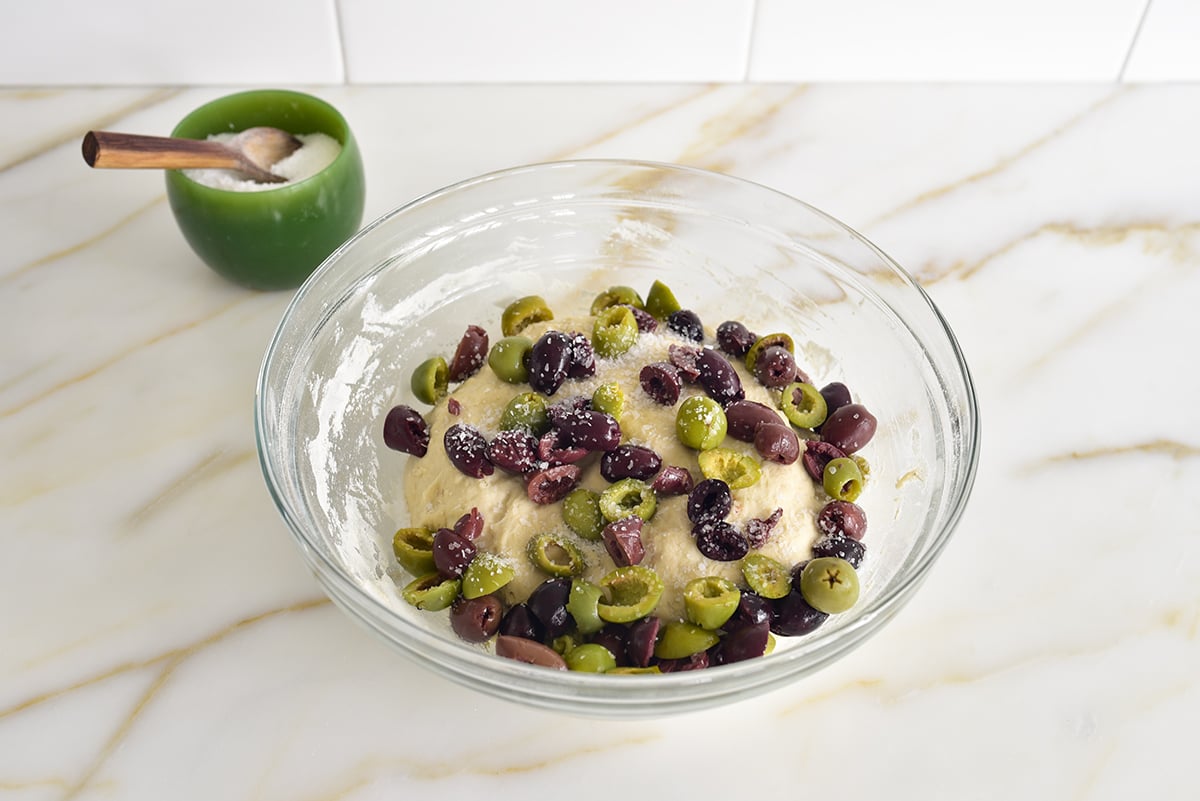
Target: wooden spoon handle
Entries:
(107, 149)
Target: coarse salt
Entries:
(316, 152)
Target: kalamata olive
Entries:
(710, 500)
(778, 443)
(735, 338)
(752, 609)
(842, 519)
(557, 412)
(758, 530)
(614, 637)
(672, 480)
(718, 377)
(548, 603)
(645, 321)
(849, 428)
(452, 553)
(520, 622)
(744, 642)
(623, 541)
(836, 396)
(582, 360)
(405, 430)
(744, 417)
(793, 617)
(816, 455)
(661, 382)
(720, 541)
(548, 362)
(470, 525)
(554, 448)
(514, 451)
(687, 324)
(852, 551)
(697, 661)
(643, 634)
(470, 355)
(629, 461)
(530, 652)
(476, 619)
(595, 431)
(453, 407)
(775, 367)
(467, 450)
(552, 484)
(683, 358)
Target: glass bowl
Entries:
(407, 285)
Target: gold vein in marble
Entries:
(1162, 447)
(99, 123)
(83, 244)
(630, 125)
(208, 467)
(1001, 165)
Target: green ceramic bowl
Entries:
(274, 238)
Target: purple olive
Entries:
(405, 430)
(735, 338)
(520, 649)
(661, 382)
(777, 443)
(549, 360)
(836, 396)
(615, 638)
(554, 449)
(452, 553)
(595, 431)
(849, 428)
(645, 321)
(467, 450)
(687, 324)
(697, 661)
(709, 501)
(842, 519)
(476, 619)
(514, 451)
(744, 418)
(581, 362)
(793, 617)
(775, 367)
(470, 355)
(718, 377)
(852, 551)
(672, 480)
(629, 461)
(816, 455)
(683, 358)
(643, 634)
(720, 541)
(746, 642)
(553, 484)
(758, 530)
(470, 525)
(520, 622)
(548, 603)
(623, 541)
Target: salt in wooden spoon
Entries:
(252, 152)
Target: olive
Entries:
(581, 513)
(816, 455)
(405, 430)
(849, 428)
(643, 634)
(609, 399)
(660, 381)
(431, 380)
(775, 367)
(476, 619)
(744, 418)
(552, 484)
(469, 355)
(720, 541)
(629, 461)
(614, 332)
(758, 530)
(768, 341)
(672, 480)
(735, 338)
(842, 518)
(623, 541)
(803, 406)
(523, 312)
(554, 555)
(466, 449)
(595, 431)
(614, 637)
(528, 651)
(718, 377)
(836, 395)
(548, 603)
(469, 525)
(777, 443)
(660, 301)
(842, 479)
(709, 601)
(581, 362)
(632, 593)
(700, 423)
(829, 584)
(679, 640)
(852, 551)
(582, 603)
(709, 501)
(684, 359)
(616, 296)
(629, 496)
(767, 577)
(747, 642)
(508, 359)
(452, 553)
(486, 574)
(549, 359)
(792, 616)
(590, 658)
(735, 469)
(414, 550)
(431, 592)
(514, 450)
(686, 323)
(520, 622)
(526, 412)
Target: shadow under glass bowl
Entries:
(406, 286)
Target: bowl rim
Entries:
(573, 688)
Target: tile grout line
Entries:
(750, 41)
(341, 40)
(1137, 32)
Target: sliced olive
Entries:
(679, 640)
(614, 332)
(414, 550)
(710, 601)
(660, 301)
(842, 479)
(829, 584)
(583, 604)
(581, 513)
(617, 296)
(564, 642)
(632, 593)
(629, 496)
(735, 469)
(590, 658)
(431, 380)
(486, 574)
(632, 671)
(700, 423)
(766, 577)
(523, 312)
(431, 593)
(526, 411)
(768, 341)
(609, 398)
(508, 357)
(803, 405)
(555, 556)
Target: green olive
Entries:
(700, 423)
(507, 359)
(523, 312)
(843, 480)
(590, 658)
(431, 380)
(765, 576)
(803, 405)
(735, 469)
(615, 332)
(564, 643)
(555, 556)
(617, 296)
(660, 301)
(581, 513)
(629, 496)
(864, 467)
(485, 574)
(414, 550)
(583, 604)
(632, 671)
(609, 398)
(829, 584)
(710, 601)
(770, 340)
(770, 643)
(431, 592)
(527, 411)
(632, 593)
(679, 640)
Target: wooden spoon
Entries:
(252, 152)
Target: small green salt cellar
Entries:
(271, 239)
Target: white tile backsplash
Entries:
(1168, 47)
(322, 42)
(546, 40)
(942, 40)
(125, 42)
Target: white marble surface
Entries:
(162, 638)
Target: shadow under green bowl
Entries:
(271, 239)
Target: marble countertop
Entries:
(162, 637)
